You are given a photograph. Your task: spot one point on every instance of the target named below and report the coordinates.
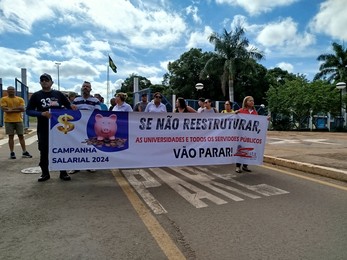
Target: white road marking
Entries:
(319, 141)
(291, 141)
(29, 140)
(283, 141)
(263, 189)
(184, 189)
(205, 180)
(141, 187)
(142, 180)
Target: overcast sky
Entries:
(143, 36)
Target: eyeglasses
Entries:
(157, 96)
(44, 80)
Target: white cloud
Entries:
(331, 19)
(284, 34)
(140, 27)
(199, 39)
(193, 10)
(255, 7)
(285, 66)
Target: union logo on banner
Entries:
(245, 152)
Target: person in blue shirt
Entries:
(101, 99)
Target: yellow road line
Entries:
(157, 231)
(306, 178)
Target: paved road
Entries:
(176, 213)
(322, 153)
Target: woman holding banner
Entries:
(247, 108)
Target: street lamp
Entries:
(199, 86)
(58, 64)
(340, 86)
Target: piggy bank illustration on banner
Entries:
(105, 127)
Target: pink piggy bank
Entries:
(105, 127)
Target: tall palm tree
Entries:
(232, 52)
(334, 66)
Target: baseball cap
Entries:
(46, 76)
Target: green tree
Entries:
(299, 99)
(185, 72)
(334, 66)
(252, 82)
(232, 52)
(128, 86)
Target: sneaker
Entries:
(44, 177)
(73, 171)
(245, 168)
(238, 170)
(12, 155)
(91, 170)
(26, 155)
(64, 176)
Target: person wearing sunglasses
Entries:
(208, 107)
(156, 105)
(38, 106)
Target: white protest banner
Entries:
(106, 140)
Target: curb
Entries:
(308, 167)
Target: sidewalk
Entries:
(322, 153)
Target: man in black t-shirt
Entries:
(38, 106)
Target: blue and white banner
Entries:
(97, 139)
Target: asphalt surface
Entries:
(321, 153)
(90, 217)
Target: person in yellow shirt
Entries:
(228, 107)
(13, 108)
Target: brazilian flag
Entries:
(112, 65)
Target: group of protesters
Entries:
(47, 98)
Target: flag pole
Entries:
(108, 82)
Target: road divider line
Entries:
(164, 241)
(306, 178)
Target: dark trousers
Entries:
(44, 149)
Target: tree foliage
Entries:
(232, 53)
(299, 99)
(185, 72)
(333, 67)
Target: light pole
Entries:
(58, 64)
(340, 86)
(199, 86)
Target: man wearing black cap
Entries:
(38, 106)
(141, 106)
